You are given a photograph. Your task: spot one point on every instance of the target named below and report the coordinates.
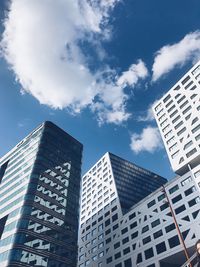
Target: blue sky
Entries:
(94, 68)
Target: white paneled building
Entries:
(119, 225)
(178, 116)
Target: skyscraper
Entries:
(109, 190)
(178, 117)
(119, 226)
(39, 200)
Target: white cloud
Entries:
(41, 43)
(131, 76)
(149, 140)
(170, 56)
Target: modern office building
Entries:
(120, 229)
(109, 189)
(39, 200)
(178, 117)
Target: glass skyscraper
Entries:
(39, 200)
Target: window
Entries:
(94, 241)
(101, 254)
(178, 125)
(190, 190)
(146, 240)
(108, 260)
(170, 227)
(94, 249)
(170, 109)
(125, 240)
(139, 258)
(196, 128)
(117, 255)
(107, 232)
(161, 197)
(108, 240)
(158, 106)
(161, 247)
(186, 181)
(173, 189)
(100, 245)
(166, 98)
(100, 227)
(195, 213)
(186, 110)
(191, 152)
(115, 226)
(118, 265)
(133, 214)
(114, 208)
(164, 206)
(194, 201)
(125, 230)
(134, 235)
(128, 263)
(181, 99)
(175, 154)
(100, 236)
(175, 119)
(174, 241)
(148, 253)
(155, 223)
(181, 131)
(133, 225)
(176, 199)
(115, 217)
(196, 174)
(126, 250)
(173, 147)
(180, 209)
(134, 246)
(145, 228)
(107, 222)
(87, 262)
(117, 245)
(157, 234)
(185, 80)
(150, 204)
(94, 231)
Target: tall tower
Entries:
(39, 200)
(178, 117)
(109, 190)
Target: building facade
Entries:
(109, 189)
(117, 228)
(178, 117)
(39, 200)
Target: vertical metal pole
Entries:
(177, 228)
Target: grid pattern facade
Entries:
(106, 196)
(39, 215)
(146, 235)
(178, 116)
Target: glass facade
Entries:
(133, 182)
(39, 200)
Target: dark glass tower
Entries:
(39, 200)
(133, 182)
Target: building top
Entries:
(178, 117)
(46, 124)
